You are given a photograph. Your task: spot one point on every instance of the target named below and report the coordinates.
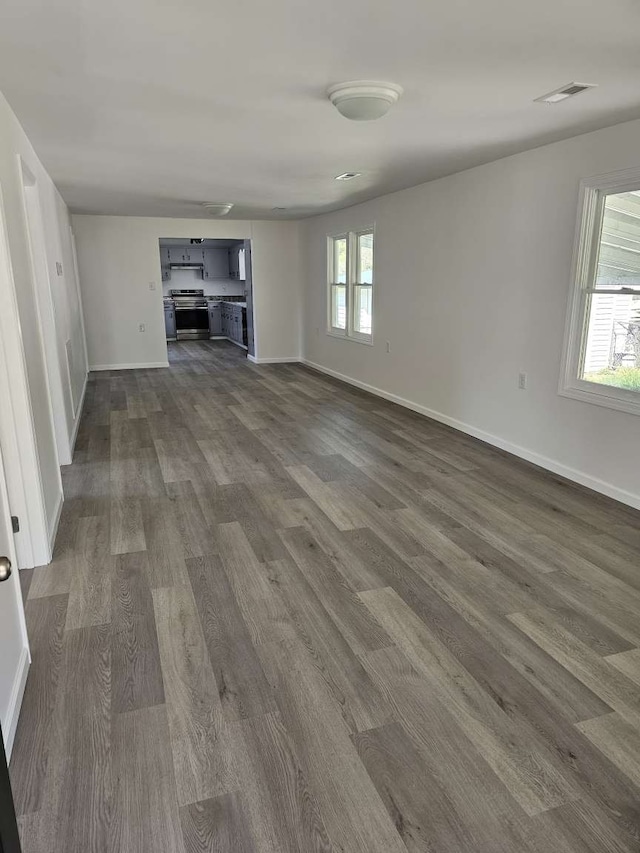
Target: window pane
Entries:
(619, 250)
(339, 307)
(340, 260)
(365, 259)
(612, 351)
(362, 305)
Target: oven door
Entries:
(192, 322)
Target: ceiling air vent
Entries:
(563, 93)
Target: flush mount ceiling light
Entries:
(564, 92)
(363, 100)
(217, 208)
(347, 176)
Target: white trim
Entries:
(553, 465)
(74, 434)
(54, 524)
(22, 468)
(15, 701)
(585, 252)
(40, 279)
(366, 339)
(139, 366)
(286, 359)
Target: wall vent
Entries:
(564, 92)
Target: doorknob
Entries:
(5, 568)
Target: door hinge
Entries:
(15, 523)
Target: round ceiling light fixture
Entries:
(364, 100)
(216, 208)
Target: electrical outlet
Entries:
(142, 327)
(58, 268)
(522, 381)
(388, 346)
(152, 285)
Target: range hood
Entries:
(186, 265)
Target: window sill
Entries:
(611, 398)
(367, 343)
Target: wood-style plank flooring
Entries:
(286, 616)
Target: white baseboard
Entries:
(552, 465)
(285, 359)
(15, 701)
(143, 365)
(79, 410)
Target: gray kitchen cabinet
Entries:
(176, 254)
(237, 324)
(216, 264)
(186, 254)
(164, 264)
(248, 289)
(215, 319)
(170, 322)
(236, 263)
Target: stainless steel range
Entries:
(192, 315)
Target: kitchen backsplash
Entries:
(191, 279)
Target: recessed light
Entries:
(564, 92)
(347, 176)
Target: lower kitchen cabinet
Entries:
(227, 320)
(215, 320)
(170, 322)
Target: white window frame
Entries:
(349, 332)
(336, 331)
(590, 212)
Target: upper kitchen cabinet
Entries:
(236, 263)
(164, 263)
(216, 264)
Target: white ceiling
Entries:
(150, 108)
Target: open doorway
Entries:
(207, 290)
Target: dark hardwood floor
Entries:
(286, 616)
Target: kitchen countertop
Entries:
(168, 300)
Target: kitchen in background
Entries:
(207, 290)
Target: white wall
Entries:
(118, 257)
(33, 474)
(472, 280)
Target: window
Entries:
(602, 354)
(350, 264)
(338, 265)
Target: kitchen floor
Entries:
(285, 615)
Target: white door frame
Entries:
(45, 308)
(17, 428)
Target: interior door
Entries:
(14, 661)
(9, 839)
(14, 648)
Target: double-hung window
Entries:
(350, 285)
(602, 350)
